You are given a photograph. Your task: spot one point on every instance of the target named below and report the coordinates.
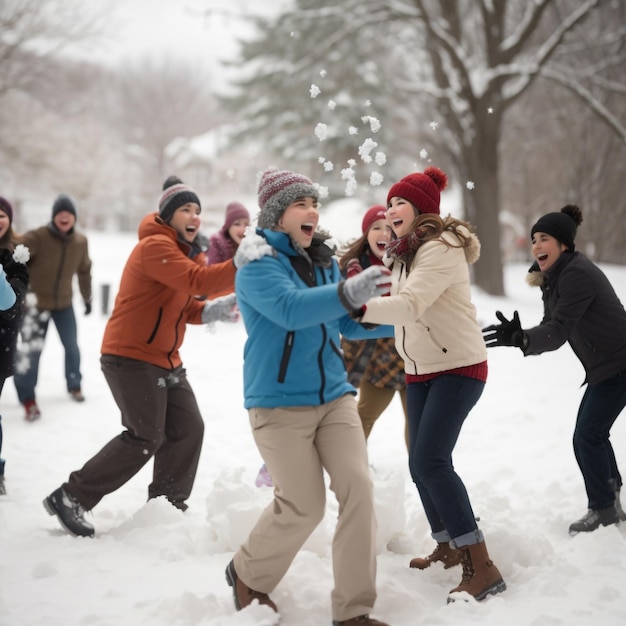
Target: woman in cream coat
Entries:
(445, 362)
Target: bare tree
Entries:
(157, 100)
(70, 125)
(35, 32)
(465, 63)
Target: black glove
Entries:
(88, 307)
(15, 270)
(507, 333)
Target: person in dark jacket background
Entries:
(582, 308)
(57, 253)
(13, 286)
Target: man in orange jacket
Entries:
(142, 365)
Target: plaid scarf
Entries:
(409, 244)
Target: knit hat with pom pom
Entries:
(175, 194)
(562, 226)
(277, 190)
(421, 190)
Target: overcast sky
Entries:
(202, 31)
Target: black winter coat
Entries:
(10, 320)
(581, 307)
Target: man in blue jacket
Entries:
(302, 409)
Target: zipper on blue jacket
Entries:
(284, 362)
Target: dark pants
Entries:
(1, 459)
(162, 419)
(599, 408)
(437, 410)
(33, 333)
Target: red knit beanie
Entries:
(375, 213)
(421, 190)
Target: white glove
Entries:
(222, 309)
(372, 282)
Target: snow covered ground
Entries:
(150, 564)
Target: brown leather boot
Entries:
(443, 552)
(242, 594)
(361, 620)
(480, 576)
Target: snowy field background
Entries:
(150, 564)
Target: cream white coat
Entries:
(431, 310)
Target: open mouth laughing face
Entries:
(186, 221)
(300, 220)
(546, 250)
(400, 215)
(64, 220)
(378, 237)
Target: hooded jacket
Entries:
(580, 306)
(431, 307)
(156, 297)
(292, 356)
(54, 259)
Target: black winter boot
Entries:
(593, 519)
(618, 505)
(69, 512)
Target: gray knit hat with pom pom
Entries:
(277, 190)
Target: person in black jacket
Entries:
(14, 275)
(582, 308)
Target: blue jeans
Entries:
(33, 333)
(436, 412)
(601, 405)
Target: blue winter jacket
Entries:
(294, 319)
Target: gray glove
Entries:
(372, 282)
(222, 309)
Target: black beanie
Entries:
(175, 194)
(63, 203)
(560, 225)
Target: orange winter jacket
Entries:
(156, 297)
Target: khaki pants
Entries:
(372, 403)
(297, 444)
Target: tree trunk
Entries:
(483, 204)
